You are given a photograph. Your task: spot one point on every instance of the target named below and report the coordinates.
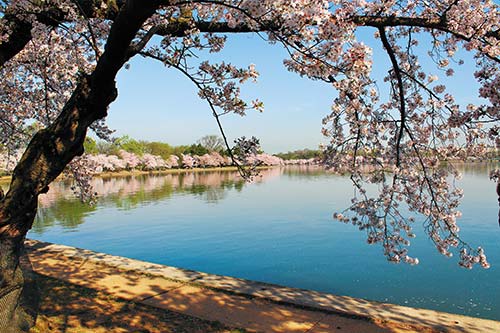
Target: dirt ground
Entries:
(73, 309)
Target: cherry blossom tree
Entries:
(188, 161)
(59, 60)
(207, 160)
(130, 159)
(99, 163)
(153, 162)
(219, 160)
(173, 162)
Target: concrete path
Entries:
(254, 306)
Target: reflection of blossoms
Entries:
(126, 186)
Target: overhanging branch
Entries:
(21, 28)
(401, 92)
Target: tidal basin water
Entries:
(277, 229)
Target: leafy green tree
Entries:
(299, 154)
(159, 148)
(196, 149)
(105, 147)
(90, 146)
(131, 145)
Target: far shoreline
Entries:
(128, 173)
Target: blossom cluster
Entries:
(94, 164)
(8, 161)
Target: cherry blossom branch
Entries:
(434, 200)
(21, 29)
(402, 105)
(20, 23)
(241, 169)
(438, 24)
(94, 44)
(423, 22)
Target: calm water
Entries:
(277, 229)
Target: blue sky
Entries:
(157, 103)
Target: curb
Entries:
(340, 305)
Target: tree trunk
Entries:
(19, 297)
(46, 156)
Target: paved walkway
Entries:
(254, 306)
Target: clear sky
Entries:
(157, 103)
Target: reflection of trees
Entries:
(60, 207)
(470, 168)
(301, 171)
(477, 168)
(127, 201)
(214, 193)
(68, 213)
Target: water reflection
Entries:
(68, 213)
(60, 206)
(306, 171)
(482, 169)
(278, 230)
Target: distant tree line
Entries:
(301, 154)
(126, 153)
(205, 145)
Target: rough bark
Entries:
(47, 155)
(18, 292)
